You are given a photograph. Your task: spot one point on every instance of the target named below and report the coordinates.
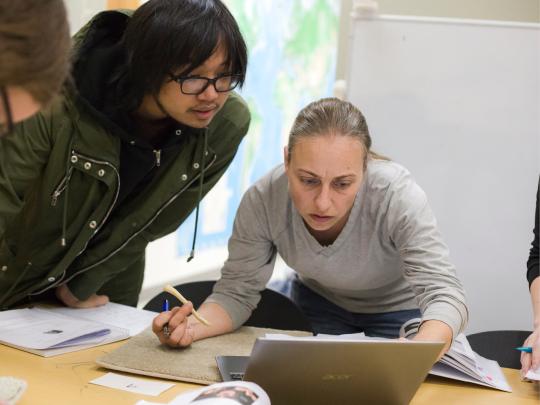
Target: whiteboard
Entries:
(457, 103)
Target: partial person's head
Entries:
(34, 57)
(173, 46)
(327, 153)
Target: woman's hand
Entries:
(435, 331)
(180, 332)
(185, 329)
(531, 360)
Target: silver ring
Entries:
(166, 331)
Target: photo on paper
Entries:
(239, 394)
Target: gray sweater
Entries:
(388, 257)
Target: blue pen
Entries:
(526, 349)
(164, 308)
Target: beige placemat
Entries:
(144, 354)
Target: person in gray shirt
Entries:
(353, 225)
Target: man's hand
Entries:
(64, 295)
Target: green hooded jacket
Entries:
(59, 181)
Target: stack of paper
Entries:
(462, 363)
(39, 330)
(52, 331)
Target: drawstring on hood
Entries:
(199, 196)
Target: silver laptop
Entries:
(320, 371)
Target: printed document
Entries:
(49, 331)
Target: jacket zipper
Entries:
(157, 155)
(59, 279)
(170, 201)
(61, 187)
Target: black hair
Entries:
(164, 35)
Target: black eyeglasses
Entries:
(6, 119)
(193, 85)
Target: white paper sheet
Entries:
(37, 329)
(45, 332)
(122, 316)
(533, 375)
(496, 378)
(131, 384)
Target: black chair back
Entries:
(274, 311)
(499, 345)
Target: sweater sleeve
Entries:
(425, 257)
(533, 264)
(251, 260)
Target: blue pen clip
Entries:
(526, 349)
(164, 308)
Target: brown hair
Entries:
(332, 116)
(34, 46)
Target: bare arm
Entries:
(435, 331)
(529, 360)
(535, 297)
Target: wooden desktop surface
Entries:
(64, 380)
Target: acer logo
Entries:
(336, 377)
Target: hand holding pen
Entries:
(172, 327)
(530, 353)
(173, 291)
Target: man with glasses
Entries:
(34, 57)
(146, 129)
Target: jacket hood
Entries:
(99, 72)
(99, 63)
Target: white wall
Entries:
(80, 12)
(458, 103)
(502, 10)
